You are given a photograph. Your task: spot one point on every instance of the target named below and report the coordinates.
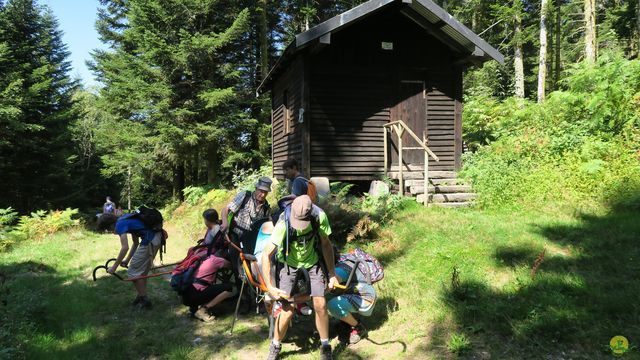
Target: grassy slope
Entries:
(584, 293)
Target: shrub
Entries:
(35, 226)
(193, 194)
(581, 145)
(358, 218)
(245, 179)
(8, 217)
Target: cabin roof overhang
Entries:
(425, 13)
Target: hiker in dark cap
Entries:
(242, 218)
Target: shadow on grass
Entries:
(571, 308)
(56, 316)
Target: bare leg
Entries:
(218, 299)
(322, 317)
(349, 319)
(282, 322)
(141, 286)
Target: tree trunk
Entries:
(556, 78)
(212, 164)
(542, 59)
(180, 180)
(264, 38)
(517, 56)
(129, 189)
(590, 42)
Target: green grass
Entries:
(584, 292)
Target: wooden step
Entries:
(454, 204)
(441, 189)
(445, 181)
(443, 198)
(415, 175)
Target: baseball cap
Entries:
(300, 216)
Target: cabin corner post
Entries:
(386, 149)
(306, 118)
(457, 128)
(273, 171)
(426, 170)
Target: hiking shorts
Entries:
(343, 305)
(317, 278)
(142, 259)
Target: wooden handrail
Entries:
(414, 136)
(399, 126)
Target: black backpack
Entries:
(151, 217)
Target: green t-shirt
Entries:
(302, 252)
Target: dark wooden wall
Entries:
(287, 145)
(354, 89)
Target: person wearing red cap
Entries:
(301, 238)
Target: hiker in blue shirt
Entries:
(139, 260)
(297, 183)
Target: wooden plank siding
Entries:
(348, 109)
(287, 145)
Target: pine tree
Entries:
(179, 70)
(36, 108)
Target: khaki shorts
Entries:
(142, 259)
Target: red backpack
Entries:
(183, 276)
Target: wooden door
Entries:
(410, 108)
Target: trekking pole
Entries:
(235, 315)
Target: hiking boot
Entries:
(203, 314)
(274, 352)
(144, 303)
(325, 352)
(356, 334)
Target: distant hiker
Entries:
(145, 227)
(212, 237)
(301, 239)
(358, 298)
(109, 206)
(298, 184)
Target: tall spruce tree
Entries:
(35, 108)
(177, 69)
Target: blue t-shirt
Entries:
(299, 186)
(127, 224)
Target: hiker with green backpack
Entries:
(300, 240)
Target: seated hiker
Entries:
(359, 297)
(301, 239)
(147, 240)
(212, 237)
(203, 294)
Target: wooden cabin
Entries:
(337, 85)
